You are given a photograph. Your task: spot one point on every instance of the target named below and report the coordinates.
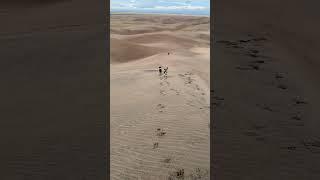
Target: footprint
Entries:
(282, 86)
(189, 80)
(218, 98)
(197, 87)
(291, 148)
(155, 145)
(259, 61)
(300, 101)
(265, 107)
(312, 145)
(176, 91)
(249, 67)
(279, 76)
(162, 92)
(167, 160)
(161, 133)
(163, 77)
(179, 174)
(252, 55)
(160, 107)
(190, 103)
(255, 67)
(217, 104)
(254, 51)
(244, 41)
(230, 43)
(200, 174)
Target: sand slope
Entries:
(53, 92)
(145, 104)
(266, 90)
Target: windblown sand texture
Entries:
(53, 91)
(266, 90)
(160, 124)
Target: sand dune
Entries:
(266, 90)
(135, 24)
(123, 51)
(159, 124)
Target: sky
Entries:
(200, 7)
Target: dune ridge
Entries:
(159, 124)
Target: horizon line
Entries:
(137, 13)
(159, 13)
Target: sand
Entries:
(53, 92)
(159, 124)
(266, 90)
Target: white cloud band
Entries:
(180, 7)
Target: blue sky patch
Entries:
(162, 6)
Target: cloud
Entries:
(180, 7)
(123, 4)
(163, 5)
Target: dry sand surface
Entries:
(53, 95)
(160, 124)
(266, 90)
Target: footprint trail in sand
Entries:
(159, 123)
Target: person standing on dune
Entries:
(160, 70)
